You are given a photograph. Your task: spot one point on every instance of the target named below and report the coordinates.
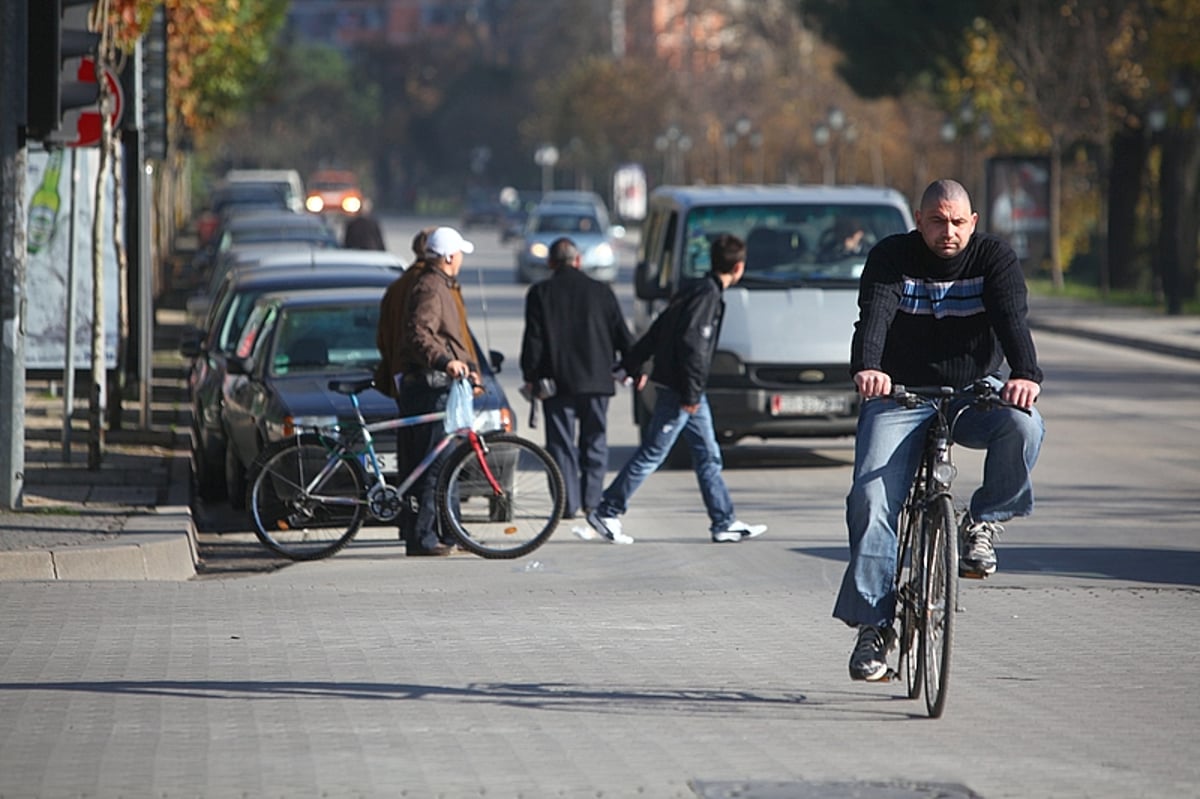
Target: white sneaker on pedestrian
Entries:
(738, 531)
(609, 528)
(584, 533)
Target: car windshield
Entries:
(555, 222)
(326, 339)
(793, 244)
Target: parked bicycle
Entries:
(928, 544)
(500, 495)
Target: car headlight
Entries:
(601, 255)
(539, 250)
(315, 204)
(351, 205)
(290, 425)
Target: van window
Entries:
(792, 244)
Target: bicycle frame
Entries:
(368, 431)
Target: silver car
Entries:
(585, 224)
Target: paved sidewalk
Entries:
(131, 519)
(128, 520)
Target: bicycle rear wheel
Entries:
(940, 592)
(509, 524)
(908, 597)
(305, 501)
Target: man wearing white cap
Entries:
(435, 348)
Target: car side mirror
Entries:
(645, 282)
(191, 344)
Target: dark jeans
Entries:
(582, 465)
(418, 516)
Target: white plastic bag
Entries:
(460, 407)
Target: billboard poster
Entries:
(1018, 206)
(49, 245)
(629, 192)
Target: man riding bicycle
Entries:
(941, 305)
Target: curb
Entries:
(1133, 342)
(157, 546)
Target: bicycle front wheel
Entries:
(306, 500)
(940, 592)
(510, 522)
(908, 597)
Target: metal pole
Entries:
(69, 370)
(13, 69)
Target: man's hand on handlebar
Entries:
(873, 383)
(1022, 393)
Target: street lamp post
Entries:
(546, 157)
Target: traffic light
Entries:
(53, 43)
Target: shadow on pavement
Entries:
(1154, 566)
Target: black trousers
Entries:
(418, 517)
(582, 465)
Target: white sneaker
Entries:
(609, 528)
(584, 533)
(738, 531)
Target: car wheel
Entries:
(235, 479)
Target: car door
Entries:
(243, 388)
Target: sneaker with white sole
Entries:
(584, 533)
(609, 528)
(738, 531)
(869, 659)
(978, 556)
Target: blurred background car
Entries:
(285, 180)
(208, 347)
(334, 191)
(482, 208)
(292, 345)
(584, 223)
(247, 236)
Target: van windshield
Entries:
(792, 244)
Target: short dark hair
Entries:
(944, 189)
(726, 252)
(563, 252)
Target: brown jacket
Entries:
(435, 327)
(393, 313)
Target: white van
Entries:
(288, 181)
(782, 364)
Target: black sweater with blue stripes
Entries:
(926, 320)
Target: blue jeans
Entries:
(667, 423)
(887, 452)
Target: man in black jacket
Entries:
(574, 330)
(682, 341)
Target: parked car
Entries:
(782, 363)
(335, 191)
(292, 345)
(230, 198)
(208, 347)
(260, 225)
(285, 180)
(583, 223)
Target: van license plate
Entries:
(809, 405)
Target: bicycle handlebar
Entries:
(984, 393)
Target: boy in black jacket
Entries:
(682, 341)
